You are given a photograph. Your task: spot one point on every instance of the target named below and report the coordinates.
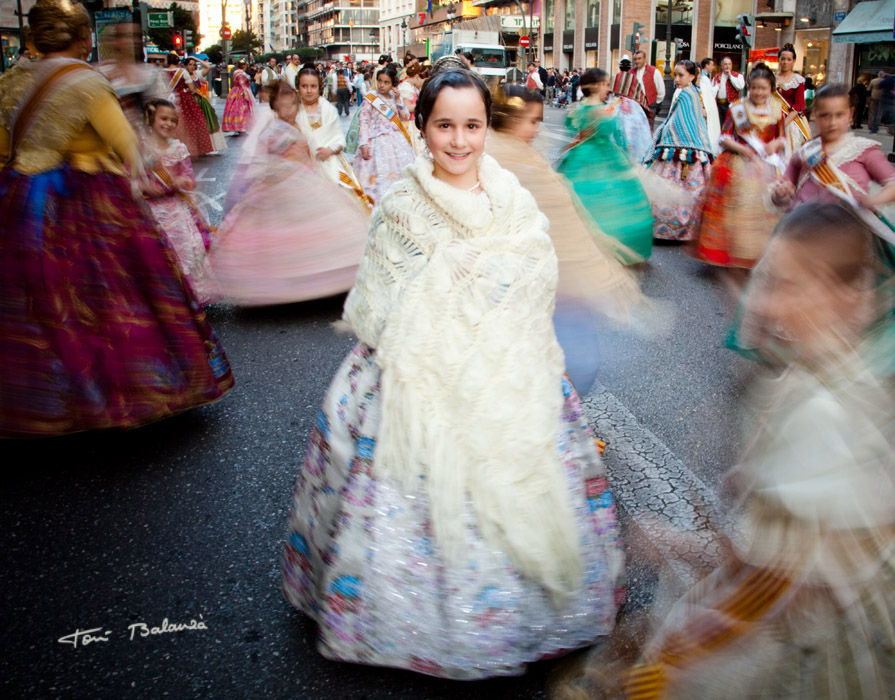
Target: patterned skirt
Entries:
(735, 224)
(361, 560)
(238, 111)
(96, 327)
(390, 154)
(192, 128)
(679, 222)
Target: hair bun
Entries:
(787, 47)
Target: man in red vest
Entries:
(651, 81)
(533, 79)
(627, 85)
(727, 85)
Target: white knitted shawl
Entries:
(456, 293)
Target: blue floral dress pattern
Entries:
(360, 557)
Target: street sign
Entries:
(838, 16)
(158, 20)
(225, 33)
(524, 42)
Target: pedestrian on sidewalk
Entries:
(402, 533)
(343, 89)
(727, 85)
(858, 96)
(876, 101)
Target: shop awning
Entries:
(870, 21)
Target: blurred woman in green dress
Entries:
(601, 173)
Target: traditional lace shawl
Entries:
(456, 293)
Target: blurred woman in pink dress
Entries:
(238, 111)
(295, 234)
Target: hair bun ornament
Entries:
(516, 102)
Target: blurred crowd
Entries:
(453, 514)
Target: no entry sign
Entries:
(524, 42)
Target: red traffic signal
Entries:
(178, 40)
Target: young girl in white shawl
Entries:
(452, 515)
(318, 120)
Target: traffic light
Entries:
(187, 37)
(746, 30)
(178, 41)
(632, 41)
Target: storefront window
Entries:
(570, 14)
(548, 15)
(10, 44)
(681, 12)
(815, 63)
(726, 12)
(593, 13)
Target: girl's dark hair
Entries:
(790, 48)
(510, 104)
(173, 59)
(690, 67)
(279, 89)
(390, 71)
(456, 78)
(152, 107)
(592, 76)
(308, 69)
(835, 235)
(762, 72)
(829, 91)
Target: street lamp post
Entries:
(668, 38)
(524, 33)
(373, 41)
(404, 34)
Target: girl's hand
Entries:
(396, 94)
(790, 118)
(184, 183)
(152, 188)
(323, 153)
(775, 146)
(365, 152)
(782, 193)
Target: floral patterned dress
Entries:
(735, 224)
(239, 110)
(378, 595)
(187, 231)
(391, 150)
(192, 129)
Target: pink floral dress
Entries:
(176, 214)
(391, 151)
(239, 110)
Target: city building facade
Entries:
(344, 28)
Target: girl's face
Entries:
(801, 302)
(165, 122)
(286, 107)
(600, 91)
(309, 89)
(682, 77)
(384, 83)
(455, 133)
(527, 124)
(759, 90)
(786, 61)
(833, 116)
(191, 66)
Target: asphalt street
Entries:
(182, 520)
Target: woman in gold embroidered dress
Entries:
(96, 327)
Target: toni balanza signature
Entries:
(138, 629)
